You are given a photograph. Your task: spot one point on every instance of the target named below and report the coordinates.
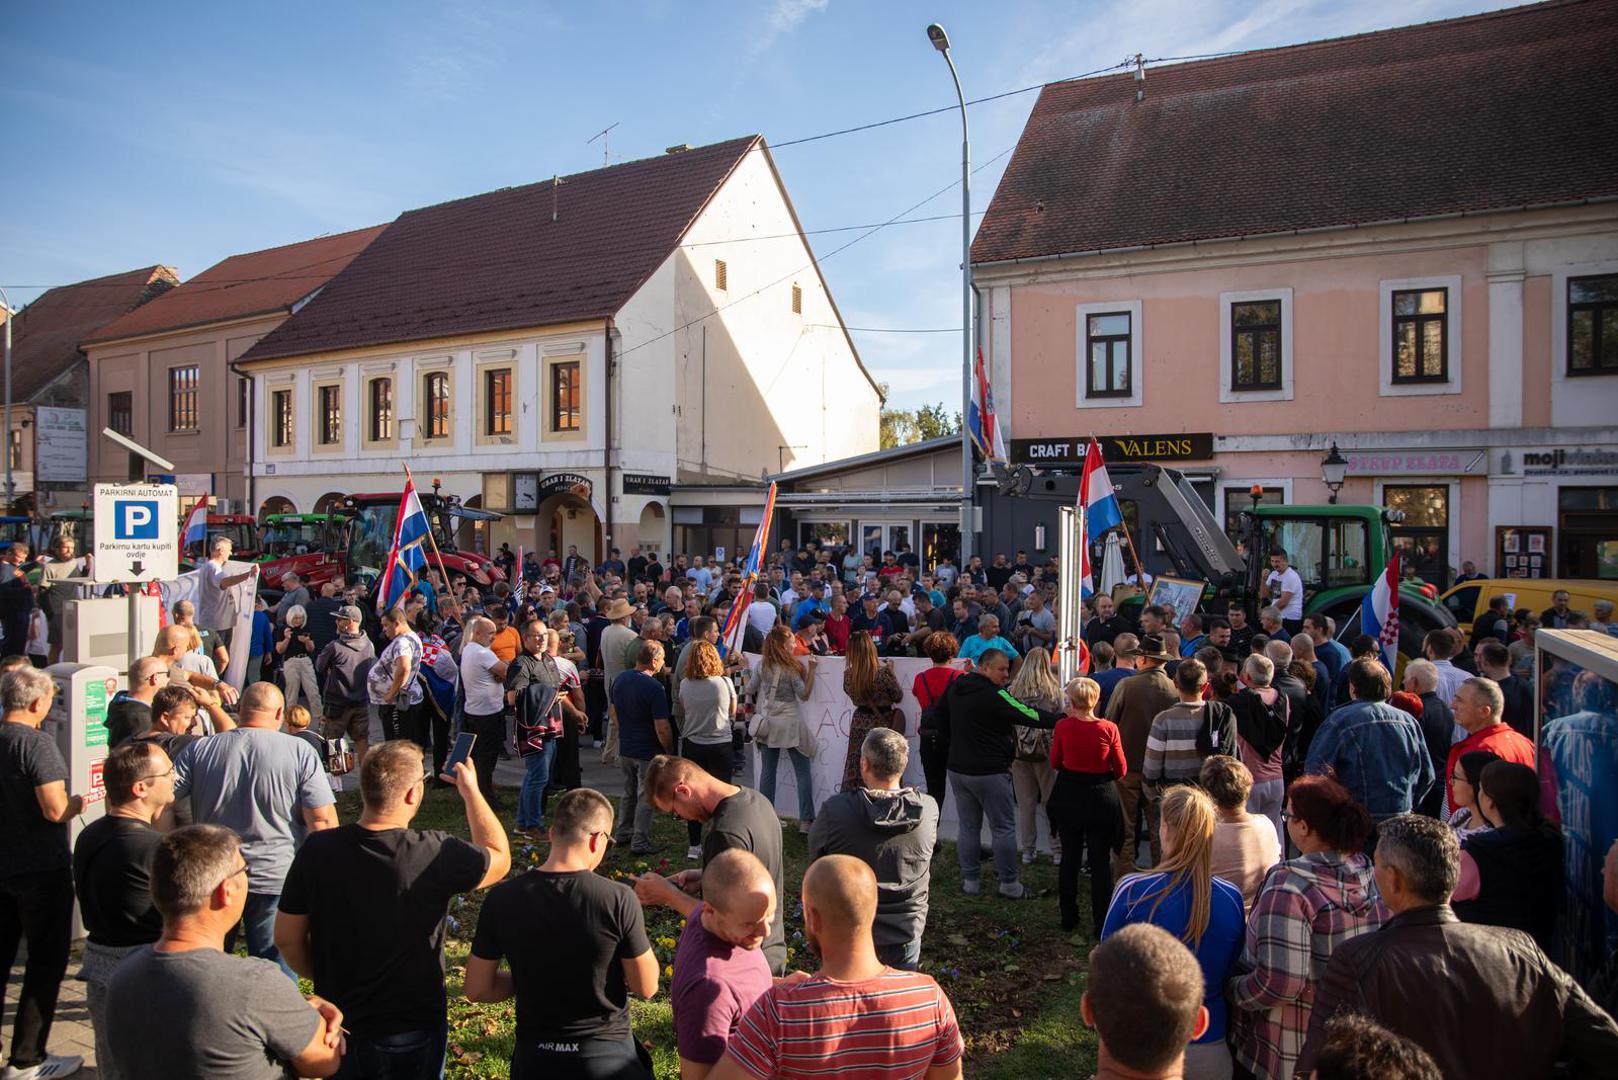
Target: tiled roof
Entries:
(499, 262)
(45, 339)
(1507, 109)
(258, 283)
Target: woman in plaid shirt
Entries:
(1306, 908)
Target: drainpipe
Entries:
(252, 424)
(606, 452)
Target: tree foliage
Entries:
(901, 427)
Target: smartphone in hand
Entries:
(461, 751)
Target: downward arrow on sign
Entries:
(135, 568)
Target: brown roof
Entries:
(258, 283)
(498, 262)
(1508, 109)
(45, 339)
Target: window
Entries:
(497, 401)
(1422, 538)
(16, 448)
(331, 415)
(1592, 325)
(721, 275)
(183, 398)
(435, 405)
(121, 412)
(797, 300)
(281, 418)
(1327, 553)
(380, 410)
(1587, 532)
(565, 395)
(1421, 335)
(1255, 345)
(1106, 348)
(1240, 497)
(243, 391)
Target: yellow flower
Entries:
(668, 971)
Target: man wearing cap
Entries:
(341, 668)
(809, 634)
(1133, 705)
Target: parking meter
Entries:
(78, 723)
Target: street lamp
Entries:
(1334, 467)
(940, 40)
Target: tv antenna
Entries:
(606, 154)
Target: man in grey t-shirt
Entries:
(185, 1009)
(261, 784)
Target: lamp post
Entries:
(1333, 469)
(11, 313)
(940, 40)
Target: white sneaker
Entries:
(53, 1067)
(693, 853)
(1028, 858)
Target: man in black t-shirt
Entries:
(738, 817)
(130, 712)
(577, 948)
(36, 879)
(112, 863)
(362, 911)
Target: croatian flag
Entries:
(407, 558)
(1086, 579)
(735, 629)
(1379, 613)
(195, 530)
(981, 422)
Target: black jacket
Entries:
(342, 666)
(981, 719)
(1437, 725)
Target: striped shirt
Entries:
(1171, 745)
(894, 1027)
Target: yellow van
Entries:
(1469, 597)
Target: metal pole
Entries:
(11, 314)
(967, 470)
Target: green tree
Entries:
(901, 427)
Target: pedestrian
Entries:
(615, 640)
(1432, 713)
(928, 689)
(261, 643)
(873, 690)
(987, 637)
(894, 830)
(1283, 590)
(1032, 777)
(295, 649)
(1205, 912)
(1185, 734)
(1133, 706)
(1305, 909)
(1511, 872)
(1376, 751)
(708, 702)
(1144, 998)
(576, 946)
(112, 862)
(1358, 1048)
(1244, 843)
(343, 667)
(483, 676)
(1517, 708)
(982, 717)
(776, 686)
(1493, 979)
(737, 817)
(263, 786)
(186, 1008)
(393, 682)
(216, 605)
(54, 593)
(36, 877)
(640, 712)
(1263, 715)
(856, 1014)
(362, 914)
(1478, 706)
(1440, 646)
(1087, 755)
(719, 968)
(130, 711)
(544, 696)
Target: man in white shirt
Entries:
(216, 610)
(1283, 588)
(761, 613)
(483, 676)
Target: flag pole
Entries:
(430, 538)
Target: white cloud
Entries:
(785, 17)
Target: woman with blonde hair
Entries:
(1031, 774)
(708, 701)
(1087, 758)
(1183, 897)
(874, 689)
(777, 686)
(295, 649)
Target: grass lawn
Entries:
(1012, 975)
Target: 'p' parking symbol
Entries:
(136, 519)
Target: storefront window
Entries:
(1588, 532)
(1422, 538)
(824, 533)
(939, 540)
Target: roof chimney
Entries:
(680, 149)
(1140, 78)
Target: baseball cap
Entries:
(349, 611)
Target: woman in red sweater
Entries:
(1088, 756)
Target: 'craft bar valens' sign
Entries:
(1069, 452)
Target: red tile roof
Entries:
(45, 339)
(498, 262)
(1508, 109)
(258, 283)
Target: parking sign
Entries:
(140, 538)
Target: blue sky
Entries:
(183, 133)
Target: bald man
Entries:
(267, 787)
(719, 969)
(172, 646)
(900, 1021)
(130, 712)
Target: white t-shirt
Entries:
(1287, 581)
(485, 694)
(215, 611)
(761, 615)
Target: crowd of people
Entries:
(1294, 868)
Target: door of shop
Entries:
(1587, 533)
(1422, 538)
